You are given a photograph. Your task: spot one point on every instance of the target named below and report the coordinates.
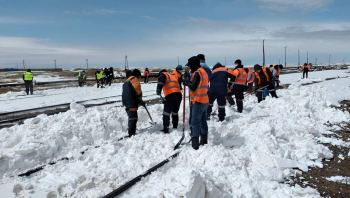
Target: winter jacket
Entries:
(206, 68)
(219, 79)
(161, 83)
(233, 86)
(263, 79)
(81, 76)
(132, 93)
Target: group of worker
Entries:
(205, 86)
(104, 77)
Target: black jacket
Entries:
(219, 80)
(264, 82)
(132, 94)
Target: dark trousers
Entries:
(277, 81)
(305, 72)
(239, 98)
(29, 87)
(221, 100)
(272, 91)
(110, 79)
(146, 79)
(81, 84)
(250, 87)
(171, 107)
(132, 115)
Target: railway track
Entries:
(8, 119)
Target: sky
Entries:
(154, 33)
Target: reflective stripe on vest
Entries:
(251, 80)
(241, 79)
(258, 77)
(28, 76)
(201, 93)
(171, 84)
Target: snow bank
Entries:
(248, 155)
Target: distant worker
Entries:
(111, 75)
(178, 74)
(100, 77)
(218, 89)
(28, 81)
(263, 79)
(132, 98)
(146, 74)
(237, 85)
(306, 69)
(172, 98)
(198, 85)
(81, 78)
(107, 77)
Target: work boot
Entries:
(273, 94)
(175, 121)
(204, 139)
(221, 119)
(131, 133)
(166, 129)
(195, 143)
(239, 106)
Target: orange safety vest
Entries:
(278, 72)
(258, 77)
(146, 73)
(201, 93)
(176, 74)
(251, 80)
(171, 84)
(241, 76)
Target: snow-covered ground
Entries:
(248, 155)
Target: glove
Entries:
(158, 92)
(163, 101)
(143, 103)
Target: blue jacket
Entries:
(206, 68)
(219, 79)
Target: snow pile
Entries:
(249, 154)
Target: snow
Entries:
(316, 76)
(248, 155)
(339, 179)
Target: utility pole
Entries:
(87, 64)
(316, 62)
(225, 61)
(279, 61)
(24, 66)
(298, 59)
(55, 63)
(264, 52)
(285, 56)
(330, 56)
(126, 62)
(178, 62)
(307, 59)
(17, 65)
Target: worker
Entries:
(172, 98)
(100, 77)
(178, 74)
(204, 65)
(237, 85)
(28, 81)
(146, 74)
(218, 89)
(132, 99)
(263, 79)
(306, 69)
(81, 78)
(198, 85)
(250, 79)
(107, 76)
(275, 71)
(111, 75)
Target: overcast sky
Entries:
(155, 32)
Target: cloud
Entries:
(149, 18)
(12, 20)
(285, 5)
(98, 11)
